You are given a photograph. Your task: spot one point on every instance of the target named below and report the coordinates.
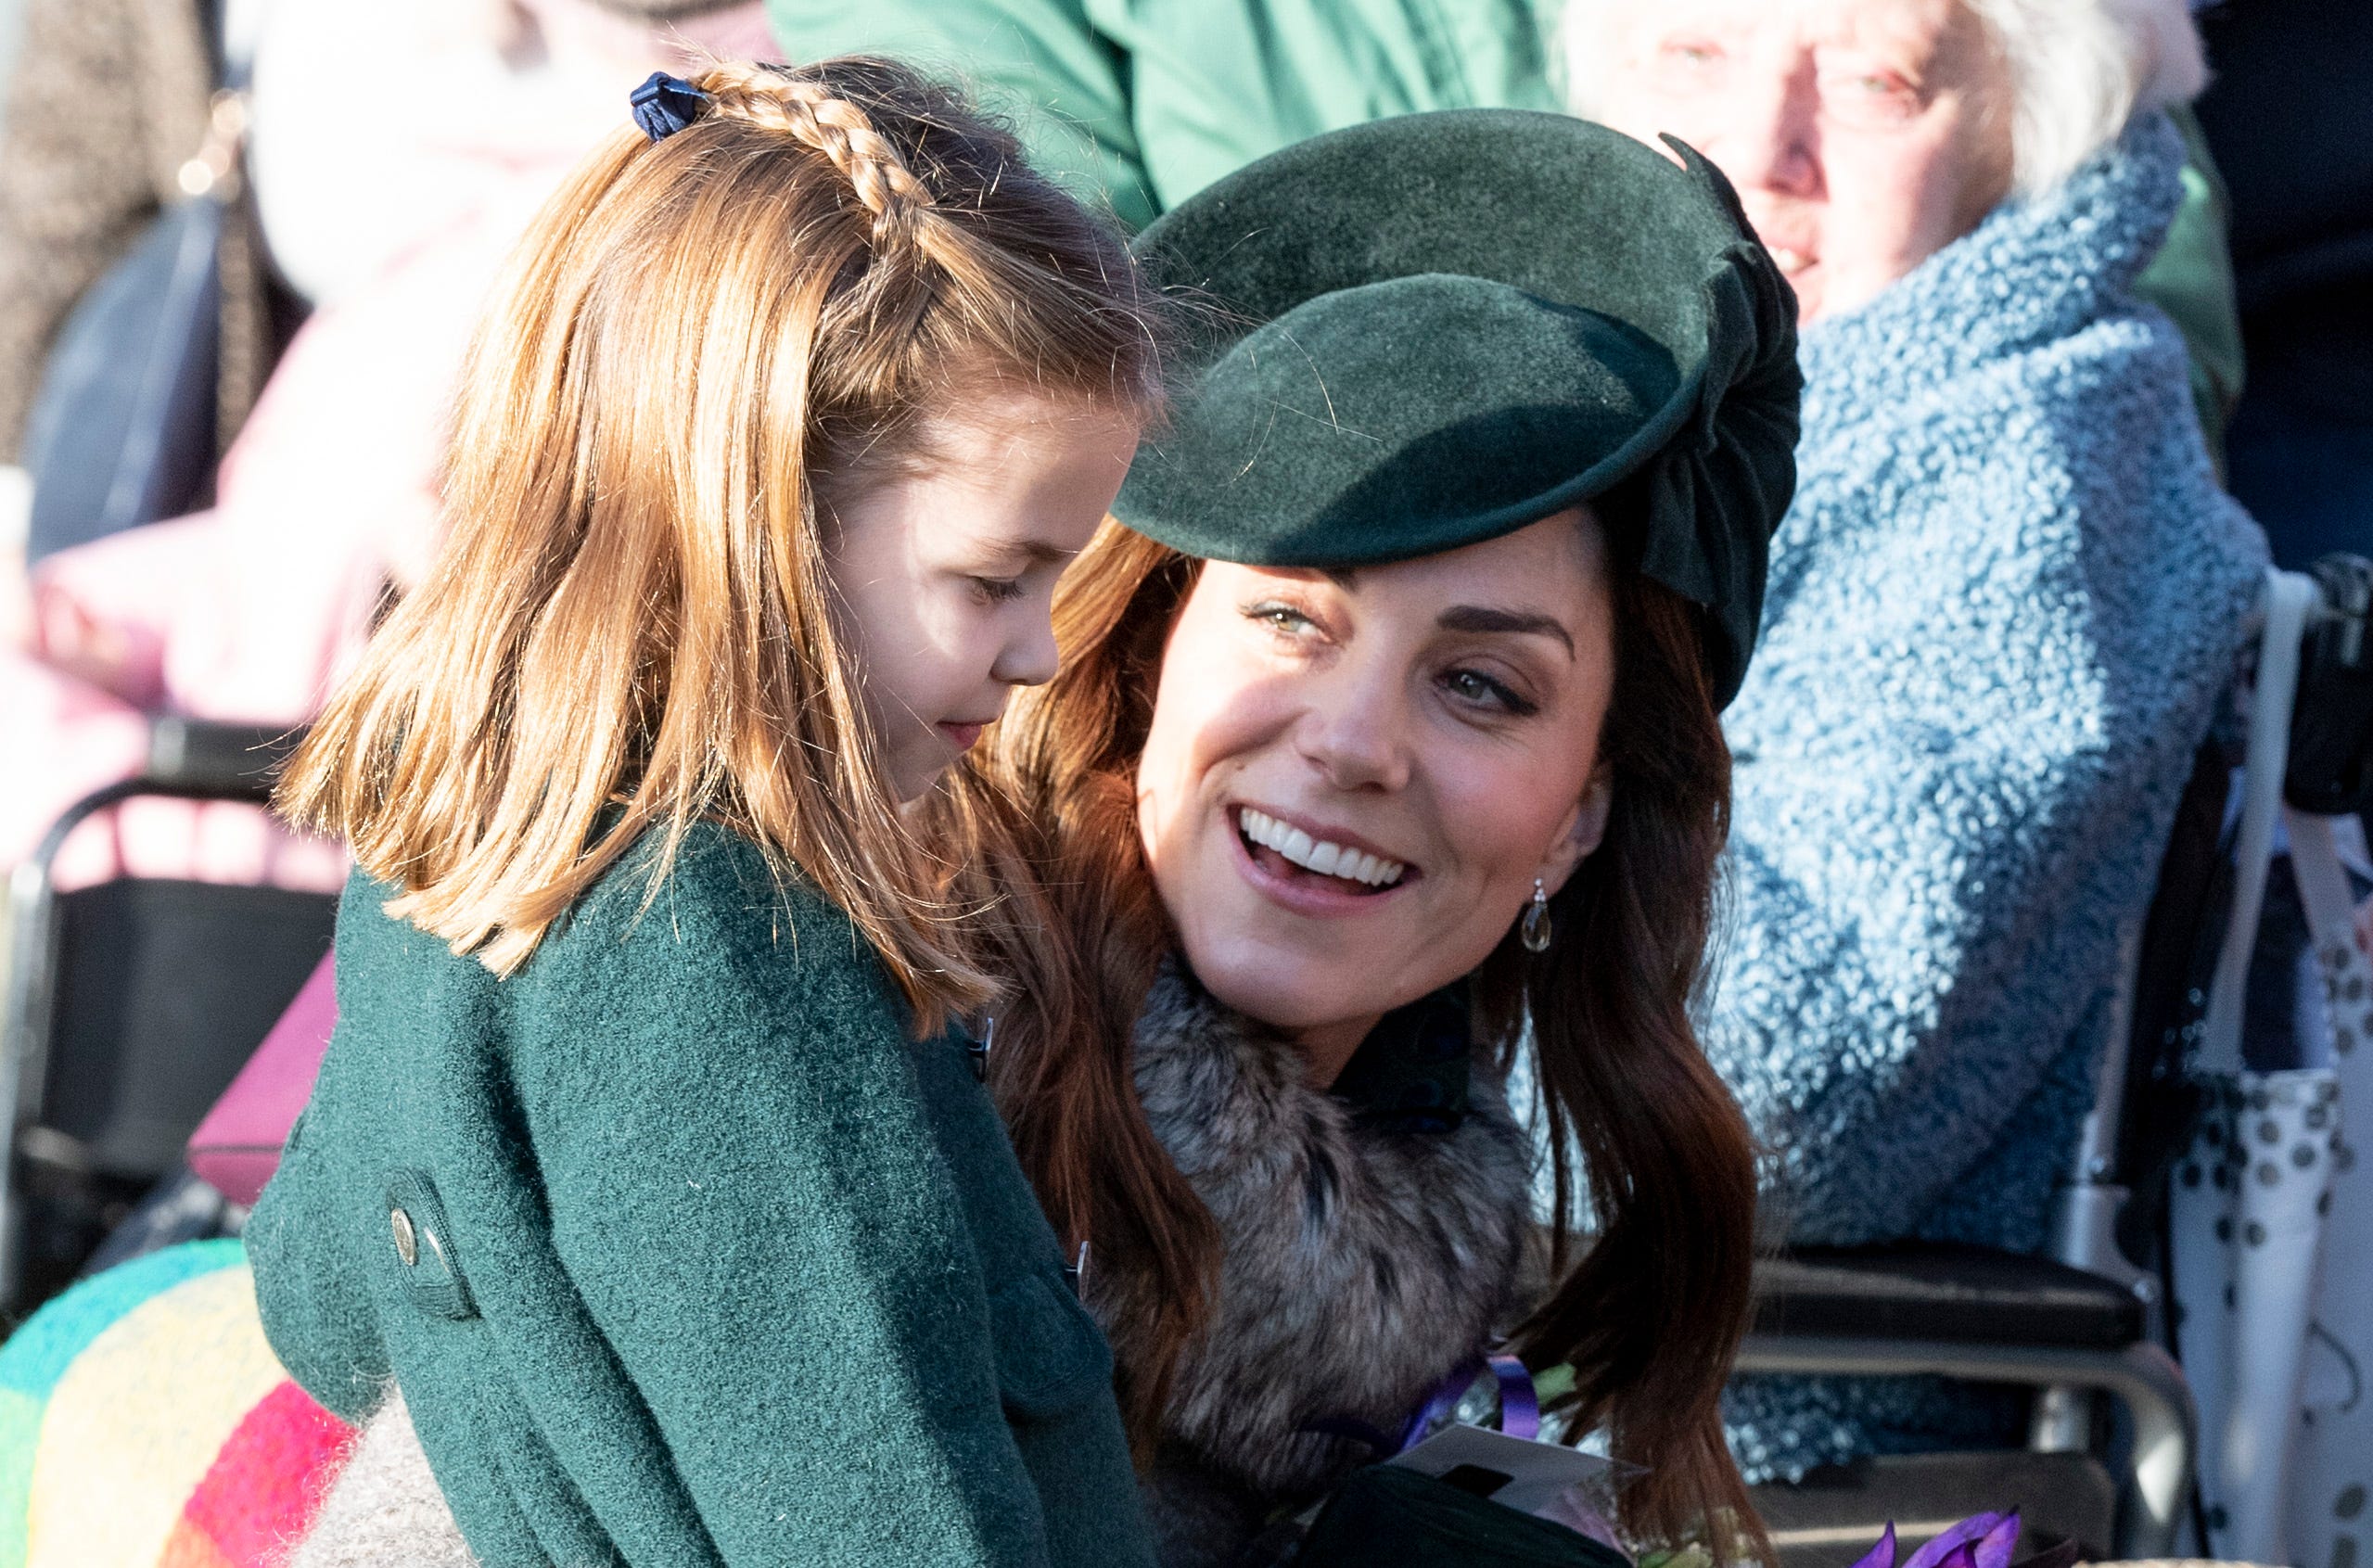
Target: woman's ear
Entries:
(1583, 831)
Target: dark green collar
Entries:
(1410, 1074)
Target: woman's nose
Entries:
(1774, 138)
(1357, 735)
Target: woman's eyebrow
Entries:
(1481, 617)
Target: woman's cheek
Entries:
(1501, 808)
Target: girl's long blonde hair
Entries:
(701, 341)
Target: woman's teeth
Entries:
(1316, 855)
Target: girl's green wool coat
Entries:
(683, 1252)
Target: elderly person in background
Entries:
(1146, 104)
(2002, 608)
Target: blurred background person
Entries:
(107, 101)
(2002, 607)
(1148, 103)
(328, 499)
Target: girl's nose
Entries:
(1030, 657)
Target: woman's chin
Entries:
(1255, 990)
(1300, 988)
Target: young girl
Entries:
(645, 1161)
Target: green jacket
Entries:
(1147, 101)
(683, 1254)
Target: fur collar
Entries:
(1366, 1253)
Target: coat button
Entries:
(432, 1275)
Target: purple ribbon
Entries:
(1520, 1408)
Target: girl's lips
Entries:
(1302, 892)
(962, 735)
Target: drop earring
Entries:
(1535, 933)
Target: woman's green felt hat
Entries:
(1428, 331)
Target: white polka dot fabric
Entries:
(2272, 1219)
(2331, 1462)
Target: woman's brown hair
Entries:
(700, 342)
(1650, 1314)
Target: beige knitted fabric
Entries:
(384, 1511)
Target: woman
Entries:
(2008, 595)
(1387, 742)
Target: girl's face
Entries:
(945, 577)
(1352, 779)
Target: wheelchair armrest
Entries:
(1942, 1293)
(211, 759)
(189, 760)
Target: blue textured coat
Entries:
(2000, 612)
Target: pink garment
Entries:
(237, 1148)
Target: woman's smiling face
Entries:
(1352, 779)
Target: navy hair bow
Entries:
(665, 104)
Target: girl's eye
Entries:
(1475, 687)
(997, 589)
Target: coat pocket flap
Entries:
(1051, 1355)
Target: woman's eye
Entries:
(1277, 617)
(1473, 686)
(1690, 52)
(1877, 96)
(997, 589)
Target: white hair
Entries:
(2080, 69)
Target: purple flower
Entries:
(1882, 1555)
(1982, 1540)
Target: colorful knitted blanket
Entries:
(144, 1423)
